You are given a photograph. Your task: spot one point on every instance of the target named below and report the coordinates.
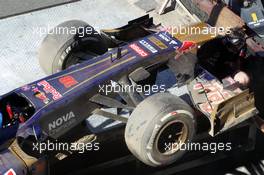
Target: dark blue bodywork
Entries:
(63, 98)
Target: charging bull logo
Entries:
(40, 95)
(187, 46)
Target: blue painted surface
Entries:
(8, 161)
(87, 75)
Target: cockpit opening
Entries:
(14, 109)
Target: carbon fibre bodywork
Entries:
(61, 101)
(86, 80)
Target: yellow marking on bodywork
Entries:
(254, 17)
(90, 65)
(102, 72)
(157, 42)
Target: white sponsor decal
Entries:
(60, 121)
(164, 37)
(49, 89)
(148, 46)
(139, 50)
(167, 39)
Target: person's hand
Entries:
(259, 123)
(242, 78)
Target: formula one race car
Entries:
(139, 74)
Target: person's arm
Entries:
(218, 14)
(221, 16)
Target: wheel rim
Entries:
(170, 137)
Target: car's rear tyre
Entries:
(57, 48)
(156, 125)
